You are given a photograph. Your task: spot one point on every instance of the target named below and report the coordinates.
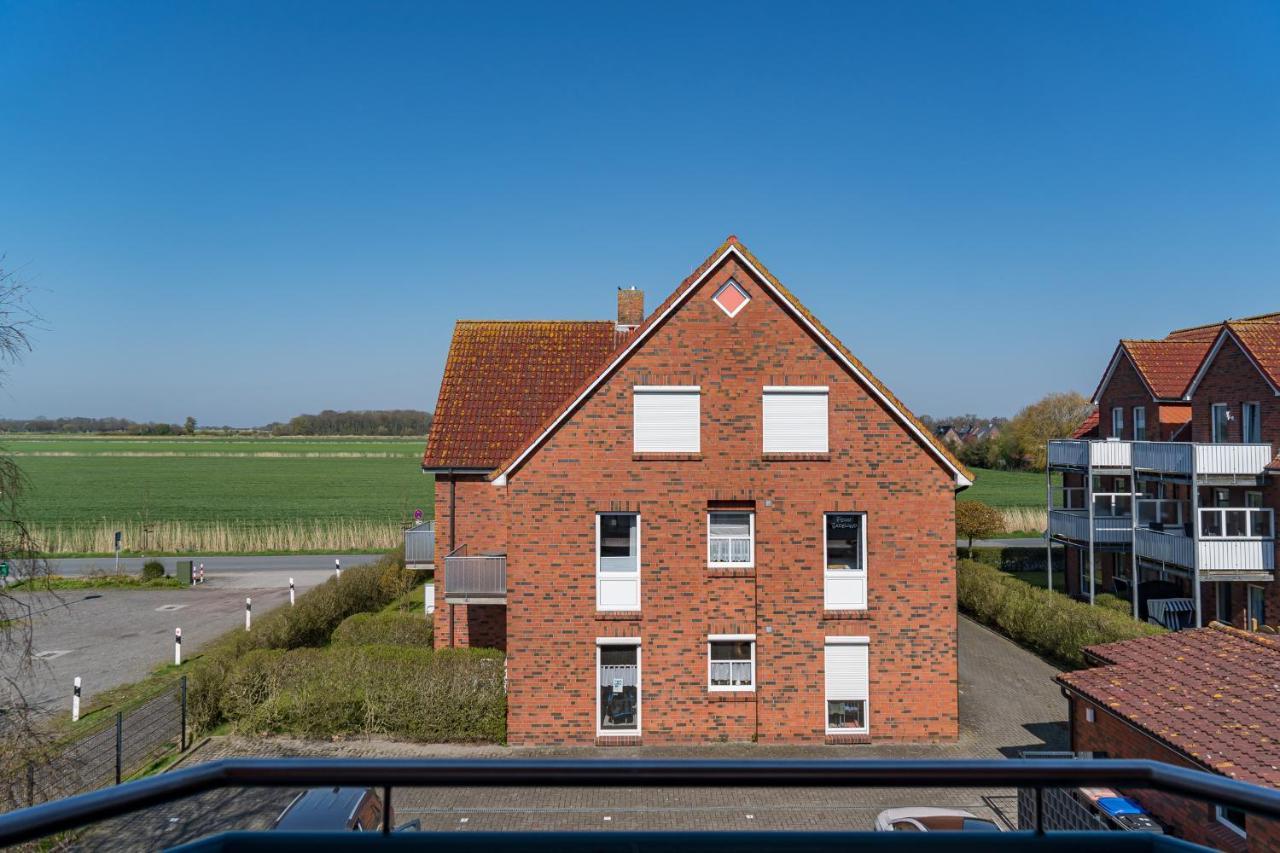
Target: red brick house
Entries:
(710, 523)
(1176, 481)
(1206, 699)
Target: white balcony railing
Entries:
(1234, 556)
(1077, 453)
(1232, 541)
(1208, 459)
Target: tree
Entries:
(18, 549)
(1055, 416)
(189, 427)
(976, 520)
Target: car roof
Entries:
(322, 809)
(890, 815)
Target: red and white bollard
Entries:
(177, 647)
(202, 573)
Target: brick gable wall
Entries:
(1126, 390)
(874, 466)
(1188, 819)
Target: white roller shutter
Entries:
(847, 670)
(795, 420)
(667, 419)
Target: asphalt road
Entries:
(110, 637)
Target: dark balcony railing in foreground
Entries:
(387, 774)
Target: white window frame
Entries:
(731, 283)
(1139, 417)
(846, 574)
(1245, 420)
(616, 575)
(621, 641)
(1213, 422)
(751, 522)
(806, 390)
(731, 638)
(1221, 814)
(866, 715)
(1248, 605)
(637, 391)
(1117, 421)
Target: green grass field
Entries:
(182, 488)
(1007, 488)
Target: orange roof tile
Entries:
(1088, 427)
(1261, 339)
(1167, 366)
(1211, 694)
(936, 444)
(502, 379)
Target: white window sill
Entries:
(747, 565)
(715, 689)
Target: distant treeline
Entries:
(410, 422)
(88, 425)
(393, 422)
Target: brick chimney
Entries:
(630, 308)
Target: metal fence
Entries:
(420, 544)
(108, 756)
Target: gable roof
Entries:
(1088, 427)
(1211, 694)
(1258, 339)
(1165, 367)
(502, 379)
(731, 247)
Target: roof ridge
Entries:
(1248, 636)
(544, 322)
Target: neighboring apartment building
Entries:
(1176, 478)
(1204, 699)
(711, 523)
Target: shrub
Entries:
(1113, 602)
(311, 622)
(1025, 559)
(152, 569)
(454, 695)
(1045, 622)
(389, 628)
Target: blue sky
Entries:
(245, 211)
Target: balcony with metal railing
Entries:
(1202, 460)
(1082, 454)
(1227, 543)
(480, 579)
(1112, 516)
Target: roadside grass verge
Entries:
(103, 581)
(1048, 623)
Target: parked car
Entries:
(332, 809)
(926, 819)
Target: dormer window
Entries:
(731, 298)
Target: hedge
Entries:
(311, 622)
(397, 629)
(1028, 559)
(1045, 622)
(410, 693)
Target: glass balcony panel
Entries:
(1211, 523)
(1261, 523)
(1237, 522)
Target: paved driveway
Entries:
(1008, 702)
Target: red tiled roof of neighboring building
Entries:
(502, 379)
(1212, 694)
(935, 443)
(1167, 366)
(1088, 427)
(1209, 331)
